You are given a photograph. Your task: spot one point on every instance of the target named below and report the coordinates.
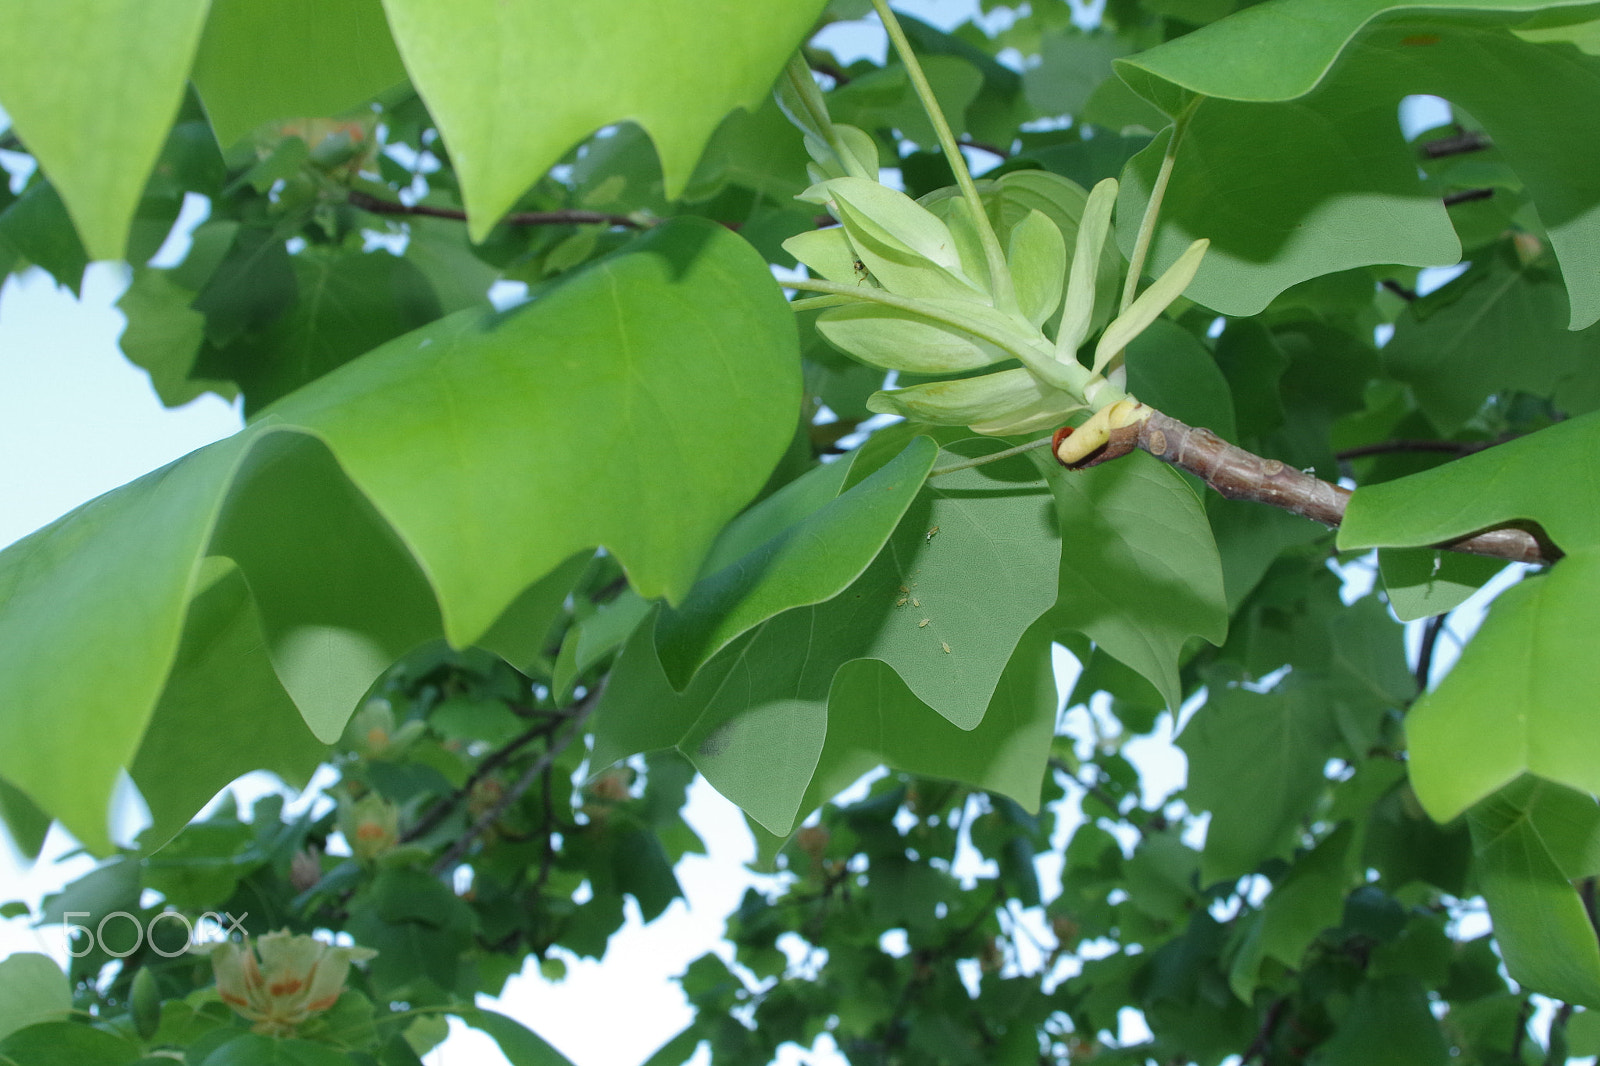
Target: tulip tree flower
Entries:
(294, 978)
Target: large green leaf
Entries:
(269, 59)
(1521, 697)
(1255, 762)
(1140, 574)
(1342, 187)
(520, 1045)
(514, 86)
(422, 486)
(805, 561)
(1540, 924)
(32, 989)
(91, 87)
(1551, 477)
(967, 571)
(1473, 338)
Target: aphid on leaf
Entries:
(915, 602)
(901, 602)
(934, 532)
(861, 271)
(945, 646)
(924, 623)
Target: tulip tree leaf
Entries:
(260, 60)
(420, 488)
(520, 1045)
(514, 86)
(1520, 697)
(32, 989)
(1316, 82)
(1255, 762)
(1459, 345)
(944, 605)
(807, 562)
(92, 88)
(1551, 477)
(1540, 924)
(1140, 573)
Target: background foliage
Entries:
(517, 575)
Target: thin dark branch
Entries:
(830, 69)
(1461, 143)
(371, 203)
(1430, 639)
(1521, 1033)
(1556, 1055)
(1241, 475)
(1463, 196)
(993, 150)
(519, 787)
(1399, 290)
(1269, 1023)
(491, 762)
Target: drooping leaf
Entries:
(1469, 340)
(1255, 762)
(1140, 573)
(1518, 699)
(92, 88)
(32, 989)
(484, 67)
(259, 61)
(805, 560)
(1540, 923)
(944, 605)
(1336, 61)
(574, 402)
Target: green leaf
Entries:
(1540, 923)
(37, 228)
(806, 562)
(1518, 699)
(565, 421)
(26, 824)
(346, 305)
(260, 60)
(1344, 194)
(250, 1049)
(1551, 477)
(68, 1044)
(92, 90)
(1140, 574)
(32, 989)
(1470, 339)
(1421, 583)
(222, 674)
(1336, 58)
(949, 337)
(484, 67)
(1172, 371)
(164, 334)
(1255, 762)
(944, 605)
(1309, 899)
(520, 1045)
(1387, 1023)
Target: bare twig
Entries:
(371, 203)
(518, 788)
(1399, 290)
(491, 762)
(1389, 447)
(1430, 639)
(1463, 196)
(1241, 475)
(1269, 1023)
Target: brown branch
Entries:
(1399, 290)
(491, 762)
(530, 777)
(1269, 1023)
(371, 203)
(967, 142)
(1467, 196)
(1430, 640)
(1241, 475)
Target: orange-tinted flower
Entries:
(294, 978)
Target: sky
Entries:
(76, 420)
